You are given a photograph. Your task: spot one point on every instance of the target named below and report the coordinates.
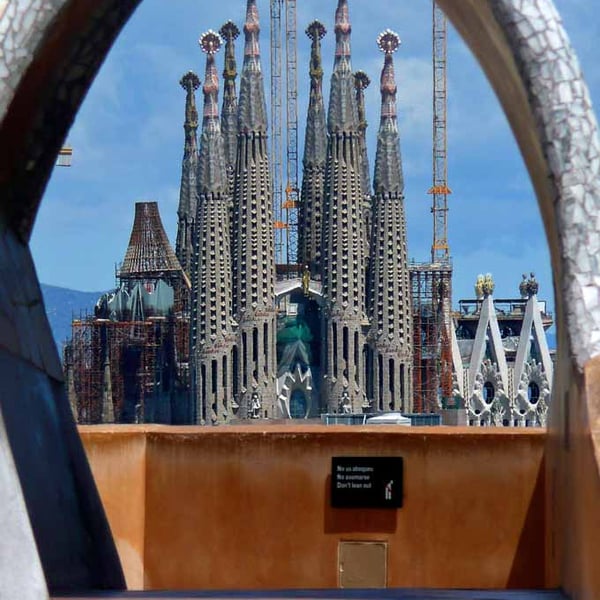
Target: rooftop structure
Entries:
(128, 362)
(502, 364)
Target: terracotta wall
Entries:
(248, 507)
(573, 483)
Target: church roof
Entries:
(149, 252)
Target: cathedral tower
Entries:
(315, 153)
(342, 248)
(390, 336)
(188, 196)
(229, 32)
(254, 257)
(213, 336)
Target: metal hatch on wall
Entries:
(362, 564)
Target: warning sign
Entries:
(366, 482)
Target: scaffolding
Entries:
(431, 290)
(129, 361)
(135, 366)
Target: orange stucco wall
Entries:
(573, 483)
(249, 507)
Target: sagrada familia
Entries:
(298, 346)
(217, 332)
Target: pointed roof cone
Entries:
(149, 253)
(212, 167)
(388, 163)
(315, 145)
(229, 32)
(342, 103)
(252, 110)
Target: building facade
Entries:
(332, 334)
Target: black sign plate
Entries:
(366, 481)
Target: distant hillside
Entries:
(62, 305)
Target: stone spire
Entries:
(342, 251)
(343, 112)
(361, 83)
(252, 109)
(213, 336)
(315, 154)
(229, 32)
(390, 337)
(254, 257)
(188, 195)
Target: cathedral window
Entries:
(489, 392)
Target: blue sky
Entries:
(128, 139)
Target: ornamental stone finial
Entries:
(210, 42)
(361, 80)
(316, 31)
(488, 285)
(388, 41)
(523, 286)
(229, 31)
(190, 81)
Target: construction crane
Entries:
(440, 252)
(285, 207)
(276, 132)
(291, 88)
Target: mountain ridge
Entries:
(64, 304)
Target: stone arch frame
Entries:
(55, 49)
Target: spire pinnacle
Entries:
(388, 163)
(190, 83)
(316, 32)
(210, 42)
(252, 30)
(229, 32)
(388, 43)
(342, 32)
(342, 103)
(212, 175)
(252, 110)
